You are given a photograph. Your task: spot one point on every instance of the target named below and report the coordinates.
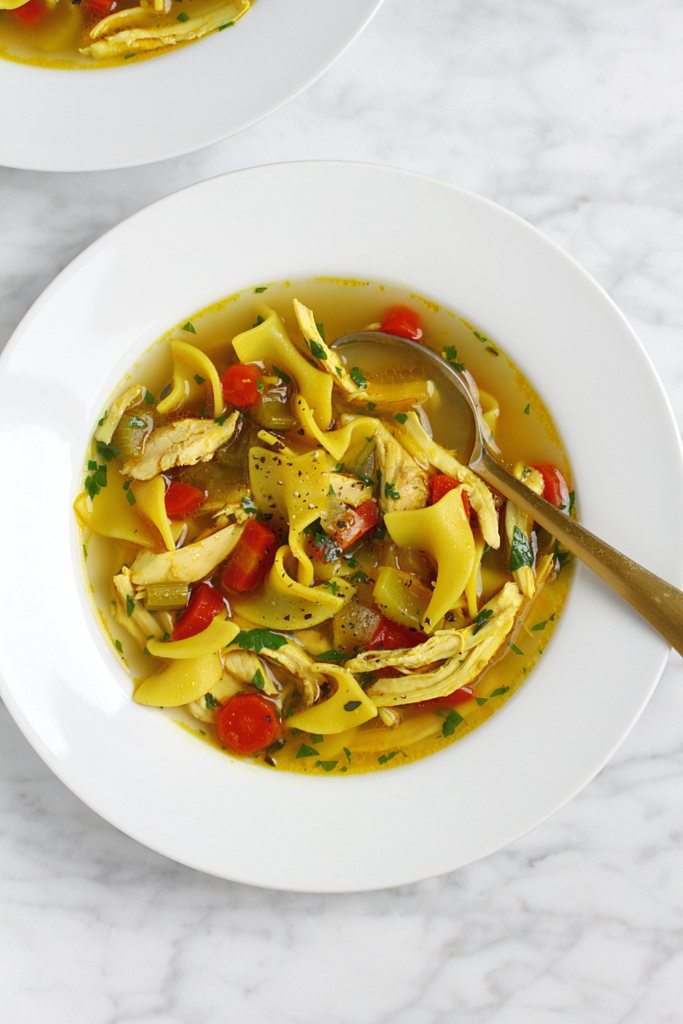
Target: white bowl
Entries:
(97, 119)
(131, 764)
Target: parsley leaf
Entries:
(220, 420)
(262, 288)
(521, 553)
(189, 326)
(130, 605)
(391, 492)
(383, 758)
(572, 502)
(165, 391)
(119, 646)
(500, 691)
(359, 577)
(249, 507)
(137, 421)
(130, 498)
(256, 639)
(149, 397)
(450, 353)
(321, 331)
(183, 16)
(228, 24)
(480, 620)
(259, 385)
(306, 751)
(372, 406)
(333, 586)
(317, 350)
(348, 754)
(200, 380)
(539, 625)
(332, 656)
(515, 649)
(451, 722)
(527, 411)
(327, 765)
(107, 451)
(282, 375)
(351, 705)
(358, 377)
(401, 417)
(258, 681)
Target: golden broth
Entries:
(524, 432)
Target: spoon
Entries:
(653, 598)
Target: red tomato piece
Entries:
(204, 605)
(451, 700)
(102, 7)
(355, 523)
(31, 13)
(555, 488)
(241, 385)
(404, 322)
(390, 636)
(247, 723)
(251, 559)
(440, 485)
(182, 499)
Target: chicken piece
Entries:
(299, 664)
(350, 489)
(188, 564)
(163, 30)
(131, 17)
(389, 717)
(181, 443)
(129, 612)
(243, 666)
(112, 417)
(467, 652)
(326, 358)
(413, 435)
(404, 485)
(516, 519)
(224, 689)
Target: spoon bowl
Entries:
(660, 603)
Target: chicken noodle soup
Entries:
(285, 543)
(96, 33)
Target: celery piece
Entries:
(273, 413)
(166, 596)
(361, 461)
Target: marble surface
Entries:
(568, 113)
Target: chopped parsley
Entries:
(166, 391)
(189, 326)
(249, 507)
(383, 758)
(321, 330)
(282, 375)
(119, 646)
(527, 411)
(401, 417)
(256, 639)
(450, 353)
(480, 620)
(351, 705)
(199, 380)
(262, 288)
(130, 497)
(451, 722)
(220, 420)
(327, 765)
(539, 625)
(130, 605)
(107, 451)
(316, 737)
(572, 502)
(259, 385)
(228, 24)
(94, 483)
(348, 754)
(358, 377)
(259, 319)
(258, 681)
(391, 492)
(137, 421)
(332, 656)
(521, 553)
(562, 557)
(333, 586)
(183, 16)
(500, 691)
(515, 649)
(317, 350)
(149, 397)
(306, 751)
(359, 577)
(372, 406)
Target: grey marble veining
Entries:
(568, 113)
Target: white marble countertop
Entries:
(568, 113)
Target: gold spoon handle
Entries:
(655, 599)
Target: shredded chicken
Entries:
(129, 612)
(243, 666)
(112, 418)
(404, 484)
(181, 443)
(516, 517)
(154, 29)
(326, 358)
(295, 660)
(188, 564)
(464, 653)
(413, 435)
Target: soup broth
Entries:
(347, 682)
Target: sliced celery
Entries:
(166, 596)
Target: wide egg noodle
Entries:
(282, 603)
(443, 532)
(150, 500)
(189, 362)
(112, 515)
(269, 343)
(348, 706)
(180, 682)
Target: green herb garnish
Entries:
(451, 722)
(136, 421)
(107, 451)
(199, 380)
(321, 331)
(539, 625)
(183, 16)
(401, 417)
(515, 649)
(149, 397)
(351, 705)
(189, 326)
(130, 498)
(358, 377)
(256, 639)
(521, 553)
(228, 24)
(480, 620)
(372, 406)
(306, 751)
(332, 656)
(359, 577)
(391, 492)
(282, 375)
(249, 507)
(119, 646)
(500, 691)
(327, 765)
(317, 350)
(450, 353)
(257, 680)
(261, 289)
